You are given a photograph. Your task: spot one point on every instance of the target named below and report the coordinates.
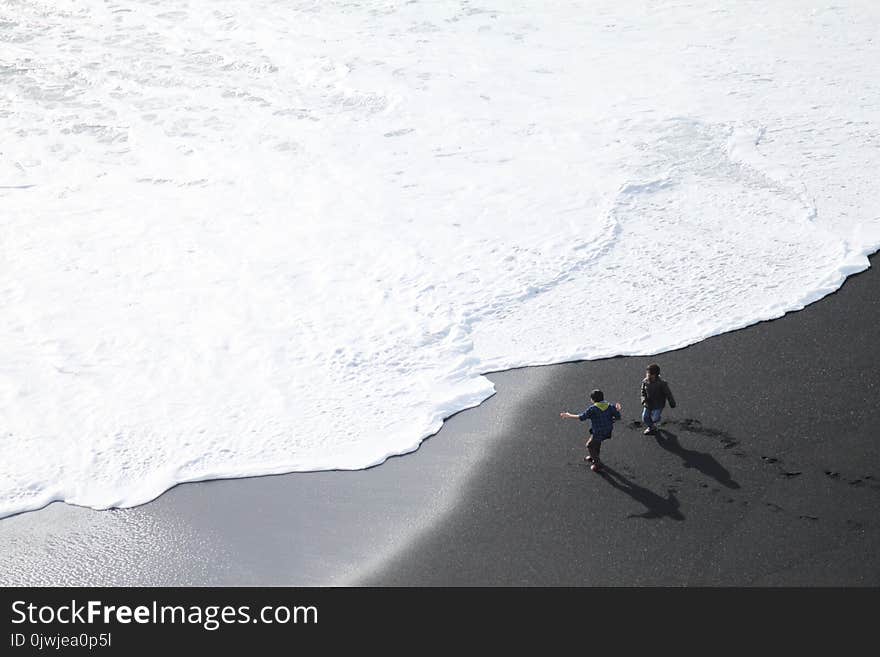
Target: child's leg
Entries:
(593, 446)
(646, 418)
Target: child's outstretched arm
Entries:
(567, 415)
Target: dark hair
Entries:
(654, 369)
(597, 395)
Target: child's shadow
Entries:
(657, 506)
(703, 462)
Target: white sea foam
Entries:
(251, 236)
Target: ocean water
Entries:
(241, 237)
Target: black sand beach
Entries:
(767, 473)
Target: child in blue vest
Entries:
(602, 416)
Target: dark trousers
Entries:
(594, 445)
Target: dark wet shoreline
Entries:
(767, 472)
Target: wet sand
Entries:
(767, 473)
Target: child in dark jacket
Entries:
(655, 394)
(602, 416)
